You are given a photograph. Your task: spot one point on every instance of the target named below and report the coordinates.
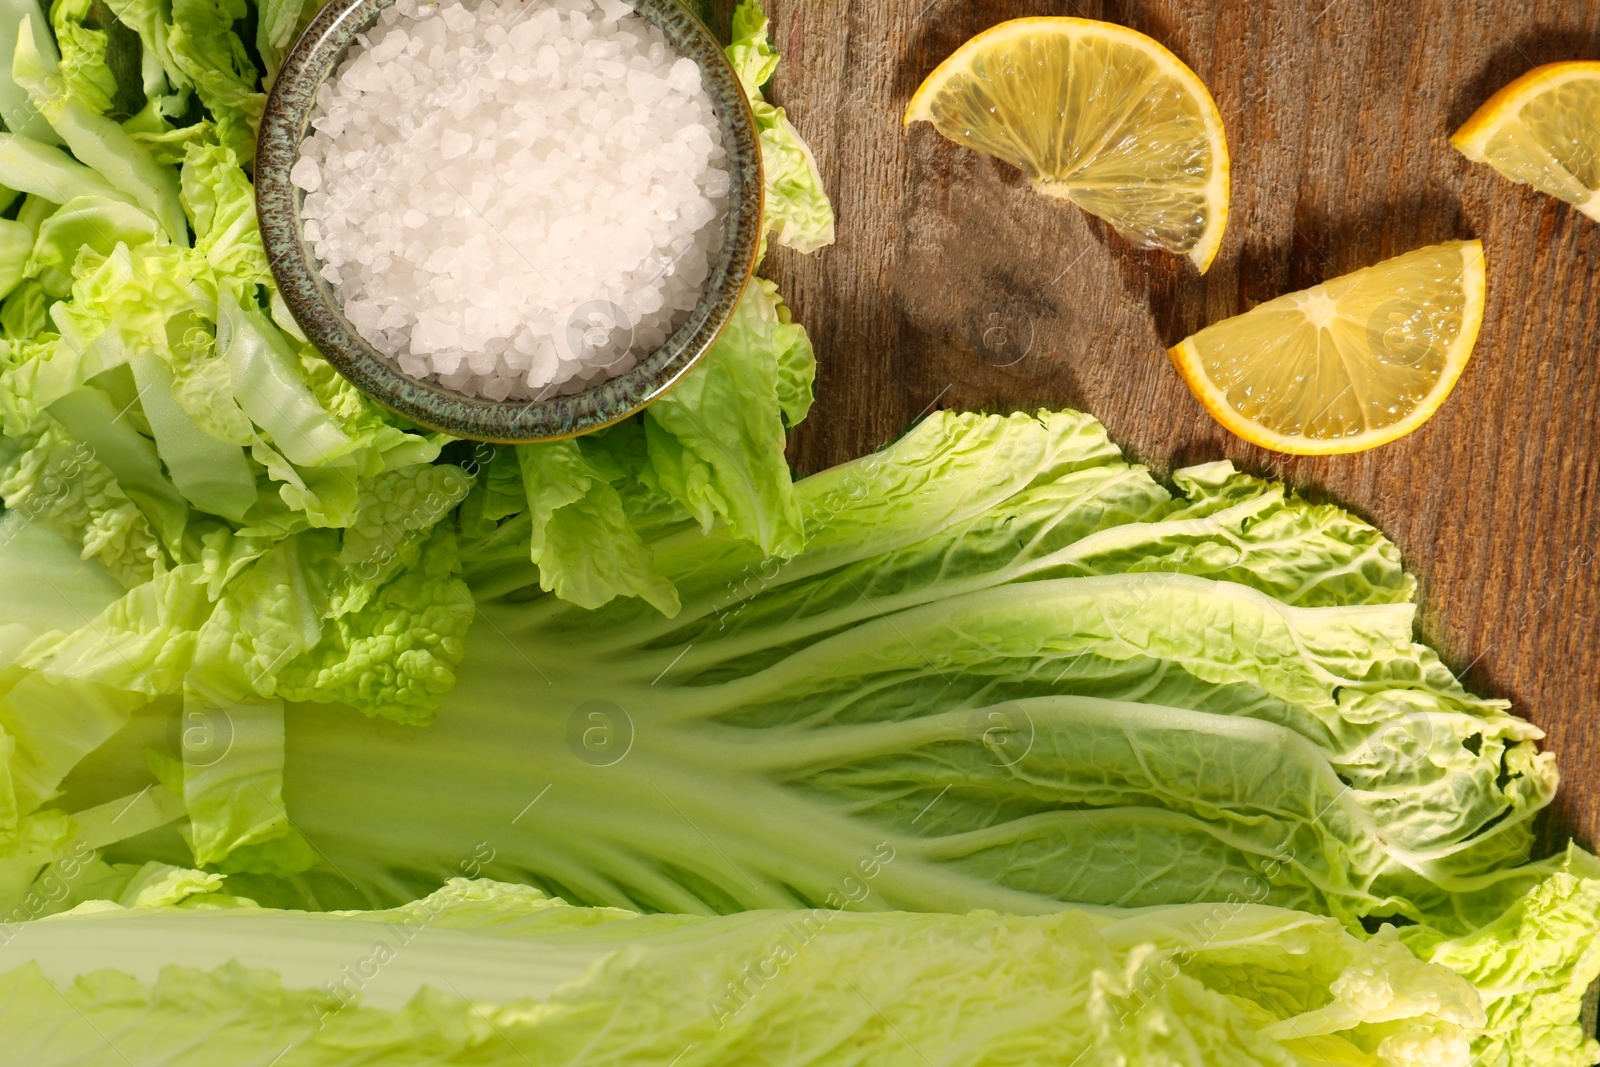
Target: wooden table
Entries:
(954, 286)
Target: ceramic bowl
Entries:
(317, 307)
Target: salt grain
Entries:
(306, 174)
(515, 198)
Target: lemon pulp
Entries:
(1543, 130)
(1096, 114)
(1346, 365)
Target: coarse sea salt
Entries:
(516, 198)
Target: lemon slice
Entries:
(1097, 114)
(1346, 365)
(1543, 130)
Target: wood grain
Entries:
(953, 286)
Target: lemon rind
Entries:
(1218, 194)
(1186, 358)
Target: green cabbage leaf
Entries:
(170, 971)
(1039, 676)
(798, 213)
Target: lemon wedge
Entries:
(1096, 114)
(1543, 130)
(1346, 365)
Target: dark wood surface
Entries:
(954, 286)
